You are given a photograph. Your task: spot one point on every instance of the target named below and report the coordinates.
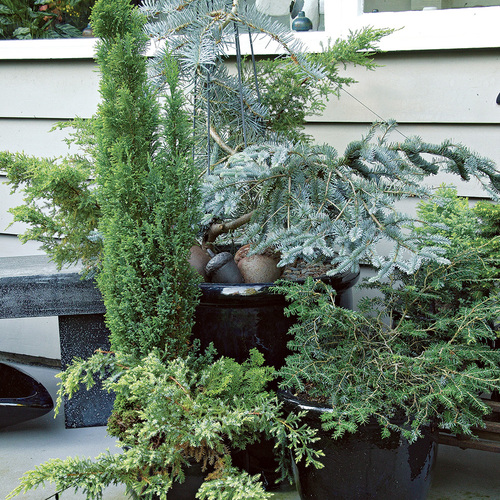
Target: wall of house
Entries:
(433, 94)
(37, 94)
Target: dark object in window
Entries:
(498, 99)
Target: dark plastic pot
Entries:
(239, 317)
(22, 398)
(363, 465)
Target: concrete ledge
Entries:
(31, 286)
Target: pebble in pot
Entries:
(223, 269)
(258, 268)
(198, 259)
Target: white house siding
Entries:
(433, 94)
(436, 95)
(36, 94)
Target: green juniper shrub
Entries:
(66, 226)
(472, 272)
(147, 190)
(184, 411)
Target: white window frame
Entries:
(419, 30)
(465, 28)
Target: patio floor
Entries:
(459, 474)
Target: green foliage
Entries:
(147, 192)
(290, 97)
(60, 205)
(307, 201)
(27, 19)
(473, 233)
(233, 485)
(183, 411)
(292, 85)
(383, 363)
(419, 352)
(310, 203)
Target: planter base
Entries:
(364, 466)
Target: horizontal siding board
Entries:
(11, 246)
(48, 89)
(33, 137)
(440, 87)
(37, 337)
(7, 201)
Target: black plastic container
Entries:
(195, 475)
(363, 465)
(22, 398)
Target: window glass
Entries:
(33, 19)
(283, 10)
(405, 5)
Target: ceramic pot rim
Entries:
(255, 292)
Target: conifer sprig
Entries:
(310, 203)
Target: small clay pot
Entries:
(223, 269)
(199, 259)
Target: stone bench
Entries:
(33, 287)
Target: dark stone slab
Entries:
(81, 336)
(33, 287)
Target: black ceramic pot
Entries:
(239, 317)
(188, 489)
(21, 397)
(363, 466)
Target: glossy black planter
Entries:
(188, 489)
(363, 466)
(22, 398)
(239, 317)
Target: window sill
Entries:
(467, 28)
(61, 48)
(471, 28)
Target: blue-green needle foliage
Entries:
(147, 192)
(276, 97)
(310, 202)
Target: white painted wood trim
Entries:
(62, 48)
(466, 28)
